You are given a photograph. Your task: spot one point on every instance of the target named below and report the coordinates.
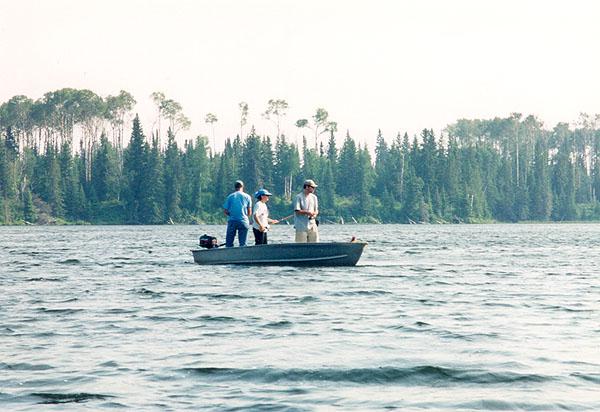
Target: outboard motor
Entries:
(208, 242)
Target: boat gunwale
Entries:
(314, 244)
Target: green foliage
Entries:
(172, 179)
(327, 194)
(135, 173)
(195, 175)
(505, 169)
(7, 169)
(365, 178)
(310, 165)
(347, 171)
(252, 166)
(105, 172)
(72, 188)
(541, 194)
(414, 208)
(152, 191)
(29, 211)
(286, 167)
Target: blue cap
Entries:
(262, 192)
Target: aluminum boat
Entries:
(284, 254)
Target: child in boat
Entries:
(260, 217)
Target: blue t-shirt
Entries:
(237, 205)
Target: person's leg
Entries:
(313, 236)
(301, 237)
(258, 238)
(242, 233)
(230, 234)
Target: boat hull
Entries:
(283, 254)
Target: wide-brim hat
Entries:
(310, 182)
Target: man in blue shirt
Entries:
(237, 208)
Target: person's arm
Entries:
(249, 206)
(316, 207)
(226, 206)
(304, 212)
(255, 216)
(298, 208)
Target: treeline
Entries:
(65, 158)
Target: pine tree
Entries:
(5, 190)
(426, 164)
(134, 166)
(332, 156)
(364, 182)
(327, 190)
(541, 195)
(72, 190)
(503, 207)
(388, 211)
(563, 185)
(267, 158)
(473, 184)
(105, 177)
(396, 171)
(310, 162)
(8, 165)
(153, 191)
(172, 179)
(196, 176)
(251, 166)
(29, 211)
(226, 174)
(596, 169)
(348, 161)
(286, 168)
(50, 179)
(413, 204)
(11, 144)
(382, 167)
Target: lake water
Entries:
(465, 317)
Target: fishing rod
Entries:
(286, 218)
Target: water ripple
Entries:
(419, 375)
(437, 317)
(58, 398)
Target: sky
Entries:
(398, 66)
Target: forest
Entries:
(74, 157)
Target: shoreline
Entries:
(528, 222)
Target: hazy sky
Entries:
(395, 65)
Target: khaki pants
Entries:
(311, 236)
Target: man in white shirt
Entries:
(306, 209)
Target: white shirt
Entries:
(303, 223)
(262, 214)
